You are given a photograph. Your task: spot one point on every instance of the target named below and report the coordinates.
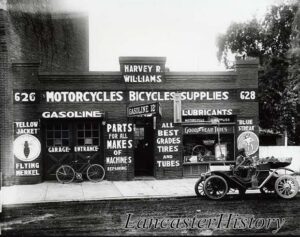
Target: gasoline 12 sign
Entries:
(27, 150)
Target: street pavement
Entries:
(254, 214)
(52, 191)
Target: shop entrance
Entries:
(143, 147)
(68, 140)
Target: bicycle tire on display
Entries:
(65, 174)
(95, 173)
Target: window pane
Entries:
(88, 133)
(65, 126)
(65, 134)
(80, 126)
(95, 133)
(57, 142)
(57, 134)
(81, 142)
(80, 134)
(57, 126)
(95, 126)
(88, 141)
(65, 142)
(95, 141)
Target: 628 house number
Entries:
(24, 96)
(247, 95)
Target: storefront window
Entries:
(88, 134)
(204, 144)
(57, 135)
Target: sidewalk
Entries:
(52, 191)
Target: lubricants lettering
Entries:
(206, 112)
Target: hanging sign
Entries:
(144, 110)
(177, 108)
(249, 141)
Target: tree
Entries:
(294, 69)
(270, 41)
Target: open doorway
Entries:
(143, 147)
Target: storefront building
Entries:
(141, 121)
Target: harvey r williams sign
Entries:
(142, 69)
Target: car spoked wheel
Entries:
(286, 187)
(199, 187)
(215, 187)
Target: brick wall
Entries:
(6, 118)
(59, 41)
(32, 32)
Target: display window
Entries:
(205, 144)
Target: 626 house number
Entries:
(24, 96)
(247, 95)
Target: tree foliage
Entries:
(269, 40)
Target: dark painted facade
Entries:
(129, 122)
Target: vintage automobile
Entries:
(269, 176)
